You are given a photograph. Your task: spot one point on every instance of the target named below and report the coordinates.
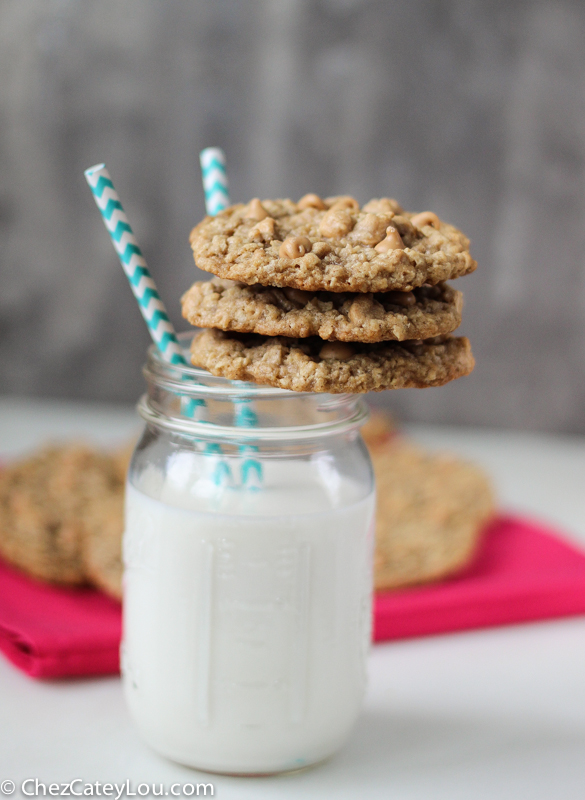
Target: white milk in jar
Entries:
(247, 611)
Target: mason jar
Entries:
(248, 571)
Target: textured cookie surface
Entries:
(52, 507)
(426, 312)
(335, 248)
(310, 365)
(430, 513)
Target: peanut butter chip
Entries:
(426, 218)
(371, 229)
(405, 299)
(295, 247)
(383, 205)
(256, 210)
(311, 201)
(297, 295)
(263, 231)
(391, 242)
(345, 201)
(364, 308)
(336, 223)
(336, 350)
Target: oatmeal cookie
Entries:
(330, 245)
(421, 314)
(311, 365)
(54, 507)
(42, 500)
(430, 513)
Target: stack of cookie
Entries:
(325, 296)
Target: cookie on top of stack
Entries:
(325, 296)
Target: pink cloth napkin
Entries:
(523, 572)
(53, 632)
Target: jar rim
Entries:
(195, 383)
(210, 431)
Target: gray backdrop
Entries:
(473, 109)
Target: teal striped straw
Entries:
(215, 186)
(215, 182)
(134, 264)
(144, 288)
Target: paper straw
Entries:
(134, 264)
(144, 288)
(251, 469)
(215, 182)
(215, 186)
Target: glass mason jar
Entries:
(248, 553)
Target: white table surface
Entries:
(492, 714)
